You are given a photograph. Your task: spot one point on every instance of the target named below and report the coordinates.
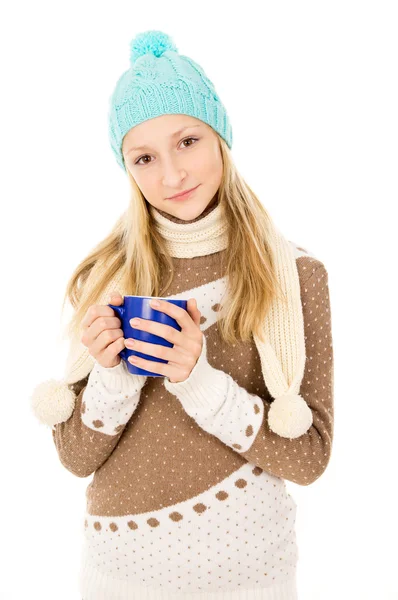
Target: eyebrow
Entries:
(173, 135)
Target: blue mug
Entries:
(138, 306)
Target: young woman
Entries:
(188, 497)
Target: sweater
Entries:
(188, 497)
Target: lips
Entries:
(184, 195)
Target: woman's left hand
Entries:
(188, 342)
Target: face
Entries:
(171, 154)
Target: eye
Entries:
(189, 138)
(147, 155)
(138, 161)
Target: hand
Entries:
(188, 342)
(102, 333)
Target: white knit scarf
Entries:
(282, 354)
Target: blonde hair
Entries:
(135, 246)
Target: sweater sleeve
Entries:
(106, 401)
(240, 419)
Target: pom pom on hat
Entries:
(53, 402)
(290, 416)
(150, 42)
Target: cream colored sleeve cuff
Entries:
(111, 396)
(218, 404)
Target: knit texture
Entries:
(281, 351)
(162, 81)
(188, 497)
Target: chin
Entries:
(189, 212)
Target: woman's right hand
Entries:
(102, 333)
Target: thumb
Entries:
(115, 298)
(194, 311)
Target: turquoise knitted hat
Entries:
(162, 81)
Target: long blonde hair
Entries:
(135, 246)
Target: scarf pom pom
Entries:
(289, 416)
(52, 402)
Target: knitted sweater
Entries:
(188, 498)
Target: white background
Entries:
(311, 90)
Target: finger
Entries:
(182, 316)
(175, 355)
(113, 349)
(91, 333)
(115, 298)
(149, 365)
(194, 311)
(95, 311)
(165, 369)
(169, 333)
(104, 340)
(101, 324)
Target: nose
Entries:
(173, 175)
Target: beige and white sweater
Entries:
(188, 498)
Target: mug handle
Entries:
(119, 310)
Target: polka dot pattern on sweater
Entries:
(206, 541)
(202, 495)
